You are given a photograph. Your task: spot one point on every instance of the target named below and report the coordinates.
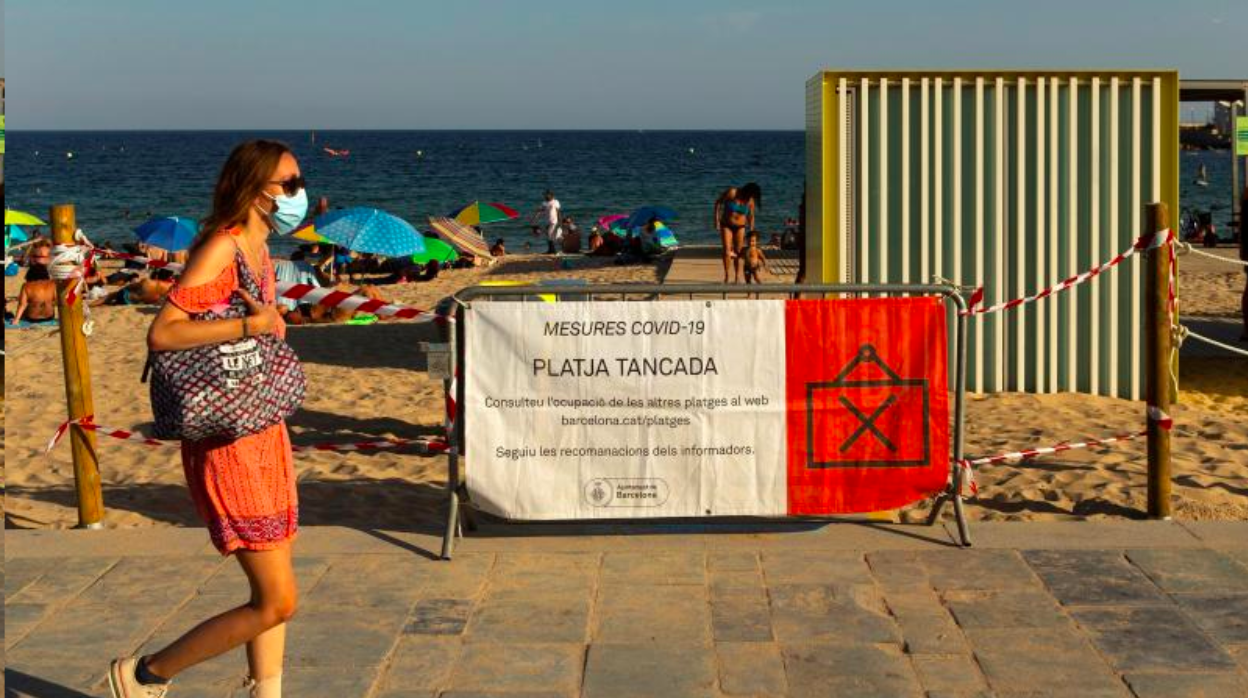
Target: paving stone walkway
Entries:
(1088, 609)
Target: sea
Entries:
(118, 179)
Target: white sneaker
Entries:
(123, 684)
(268, 688)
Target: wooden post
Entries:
(77, 382)
(1157, 344)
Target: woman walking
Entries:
(734, 215)
(244, 488)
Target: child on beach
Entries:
(243, 488)
(753, 259)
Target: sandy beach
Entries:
(369, 381)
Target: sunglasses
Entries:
(292, 186)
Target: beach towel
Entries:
(27, 324)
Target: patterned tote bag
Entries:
(225, 390)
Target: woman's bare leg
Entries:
(738, 242)
(266, 652)
(273, 599)
(725, 236)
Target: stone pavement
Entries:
(1088, 609)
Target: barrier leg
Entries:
(452, 506)
(937, 506)
(959, 421)
(964, 533)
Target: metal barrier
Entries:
(457, 492)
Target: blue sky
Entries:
(715, 64)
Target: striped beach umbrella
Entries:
(477, 213)
(462, 237)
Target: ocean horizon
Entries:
(119, 178)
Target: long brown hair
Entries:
(243, 177)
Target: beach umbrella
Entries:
(664, 236)
(643, 215)
(170, 233)
(20, 218)
(307, 233)
(370, 230)
(477, 213)
(435, 251)
(613, 223)
(13, 234)
(460, 236)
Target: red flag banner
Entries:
(868, 404)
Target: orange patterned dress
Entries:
(244, 489)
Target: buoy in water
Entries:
(69, 155)
(691, 151)
(420, 153)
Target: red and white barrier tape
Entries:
(73, 263)
(308, 293)
(126, 435)
(1155, 414)
(1145, 242)
(345, 301)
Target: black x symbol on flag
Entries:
(868, 423)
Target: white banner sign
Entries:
(624, 410)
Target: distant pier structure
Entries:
(1229, 98)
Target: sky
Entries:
(548, 64)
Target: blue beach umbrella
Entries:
(171, 233)
(370, 230)
(14, 234)
(643, 215)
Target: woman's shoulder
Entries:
(214, 256)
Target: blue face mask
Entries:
(289, 211)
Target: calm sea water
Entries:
(119, 179)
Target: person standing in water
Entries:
(244, 488)
(549, 213)
(734, 214)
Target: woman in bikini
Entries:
(734, 214)
(245, 488)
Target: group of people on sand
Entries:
(563, 236)
(734, 218)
